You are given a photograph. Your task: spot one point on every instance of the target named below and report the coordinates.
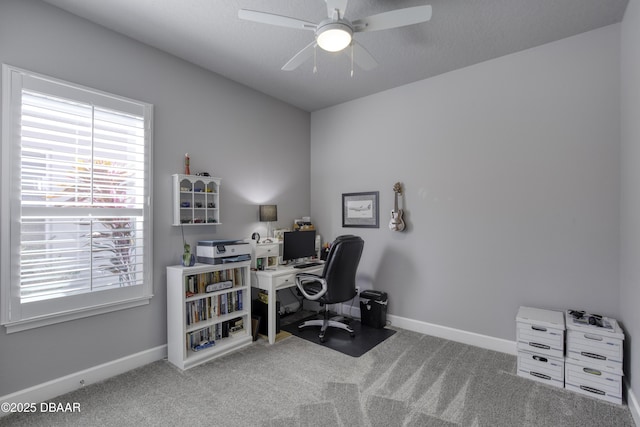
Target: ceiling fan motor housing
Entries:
(334, 35)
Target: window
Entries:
(75, 201)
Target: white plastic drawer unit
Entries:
(545, 369)
(593, 381)
(540, 331)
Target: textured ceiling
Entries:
(461, 33)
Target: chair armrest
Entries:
(302, 278)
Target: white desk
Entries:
(274, 279)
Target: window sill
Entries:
(39, 322)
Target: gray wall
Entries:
(630, 227)
(511, 173)
(258, 146)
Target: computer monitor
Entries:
(298, 244)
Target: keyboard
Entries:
(307, 265)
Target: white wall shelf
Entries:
(196, 200)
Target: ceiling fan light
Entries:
(334, 37)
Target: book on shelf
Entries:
(236, 326)
(201, 339)
(213, 306)
(199, 283)
(203, 345)
(225, 329)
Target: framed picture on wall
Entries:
(360, 209)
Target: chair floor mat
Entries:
(366, 337)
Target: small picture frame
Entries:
(278, 233)
(361, 209)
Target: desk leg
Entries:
(271, 315)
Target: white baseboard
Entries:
(632, 402)
(458, 335)
(68, 383)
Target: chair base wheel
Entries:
(324, 324)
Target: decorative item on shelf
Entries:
(268, 214)
(188, 259)
(256, 236)
(396, 223)
(303, 224)
(187, 171)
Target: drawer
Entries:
(284, 281)
(541, 368)
(540, 339)
(590, 347)
(594, 382)
(266, 250)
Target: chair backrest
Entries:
(340, 268)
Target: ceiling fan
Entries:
(335, 33)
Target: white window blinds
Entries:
(81, 215)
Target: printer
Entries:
(223, 251)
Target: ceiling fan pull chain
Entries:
(315, 62)
(351, 59)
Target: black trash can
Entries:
(373, 308)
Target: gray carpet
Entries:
(408, 380)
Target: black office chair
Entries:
(336, 284)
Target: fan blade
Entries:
(300, 57)
(393, 19)
(361, 56)
(280, 20)
(332, 5)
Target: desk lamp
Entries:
(268, 214)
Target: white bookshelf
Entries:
(191, 315)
